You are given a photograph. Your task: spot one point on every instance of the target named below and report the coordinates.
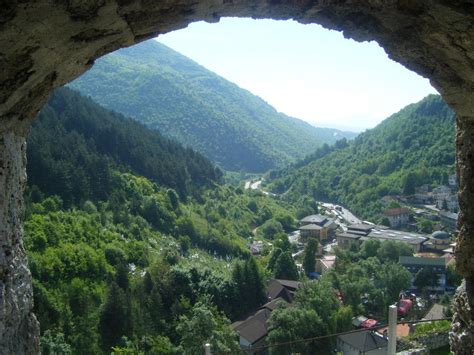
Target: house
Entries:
(397, 216)
(347, 240)
(318, 226)
(256, 247)
(284, 289)
(436, 265)
(448, 219)
(325, 263)
(440, 194)
(362, 343)
(253, 330)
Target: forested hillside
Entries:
(165, 90)
(122, 261)
(412, 147)
(75, 144)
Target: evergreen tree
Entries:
(273, 258)
(310, 250)
(285, 267)
(114, 321)
(256, 286)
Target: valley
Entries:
(137, 244)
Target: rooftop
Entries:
(435, 312)
(397, 211)
(413, 260)
(399, 236)
(361, 227)
(310, 226)
(450, 215)
(254, 327)
(440, 235)
(349, 235)
(315, 218)
(364, 341)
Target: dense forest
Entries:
(410, 148)
(234, 128)
(120, 260)
(75, 144)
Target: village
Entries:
(433, 211)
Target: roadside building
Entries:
(448, 219)
(397, 216)
(362, 343)
(357, 234)
(318, 226)
(435, 266)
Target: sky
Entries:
(304, 71)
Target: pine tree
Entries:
(114, 321)
(309, 261)
(285, 267)
(256, 286)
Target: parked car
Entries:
(404, 306)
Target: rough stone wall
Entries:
(19, 331)
(46, 43)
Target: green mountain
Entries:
(234, 128)
(410, 148)
(75, 144)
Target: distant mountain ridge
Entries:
(412, 147)
(165, 90)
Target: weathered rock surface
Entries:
(46, 43)
(18, 326)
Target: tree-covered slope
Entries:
(120, 260)
(75, 143)
(412, 147)
(239, 131)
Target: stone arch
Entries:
(46, 43)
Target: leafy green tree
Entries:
(271, 228)
(425, 278)
(370, 248)
(391, 251)
(425, 225)
(54, 344)
(394, 278)
(452, 277)
(292, 324)
(285, 267)
(309, 260)
(205, 324)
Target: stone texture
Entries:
(461, 336)
(46, 43)
(19, 330)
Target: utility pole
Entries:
(392, 330)
(207, 349)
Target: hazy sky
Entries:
(304, 71)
